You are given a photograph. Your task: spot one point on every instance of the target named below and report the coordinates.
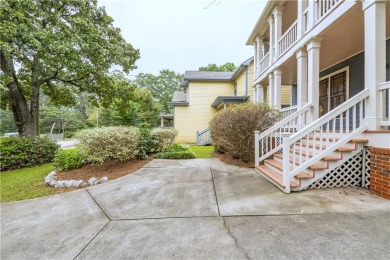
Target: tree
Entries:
(58, 48)
(229, 66)
(7, 124)
(161, 86)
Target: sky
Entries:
(186, 34)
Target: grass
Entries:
(202, 151)
(26, 183)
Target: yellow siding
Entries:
(250, 81)
(198, 114)
(240, 81)
(285, 91)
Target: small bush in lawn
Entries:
(233, 129)
(165, 138)
(179, 148)
(18, 152)
(176, 155)
(69, 159)
(103, 144)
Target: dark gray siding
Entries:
(294, 93)
(356, 72)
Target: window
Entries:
(334, 90)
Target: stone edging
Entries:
(50, 180)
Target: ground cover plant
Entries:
(205, 151)
(177, 151)
(233, 129)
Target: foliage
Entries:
(139, 109)
(179, 148)
(165, 138)
(176, 155)
(148, 143)
(233, 129)
(69, 159)
(229, 66)
(17, 152)
(58, 48)
(99, 117)
(161, 86)
(26, 183)
(102, 144)
(202, 151)
(7, 124)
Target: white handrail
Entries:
(384, 103)
(287, 111)
(324, 134)
(264, 63)
(269, 141)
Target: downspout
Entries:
(246, 81)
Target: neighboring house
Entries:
(335, 56)
(206, 92)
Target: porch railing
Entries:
(203, 137)
(264, 63)
(323, 7)
(327, 133)
(286, 112)
(288, 38)
(270, 141)
(384, 103)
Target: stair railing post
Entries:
(257, 148)
(286, 161)
(197, 138)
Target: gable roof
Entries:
(179, 98)
(208, 75)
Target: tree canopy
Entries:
(161, 86)
(58, 48)
(229, 66)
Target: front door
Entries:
(333, 91)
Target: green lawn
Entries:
(202, 151)
(25, 183)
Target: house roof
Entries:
(241, 68)
(221, 100)
(208, 75)
(179, 98)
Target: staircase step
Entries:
(303, 175)
(312, 167)
(359, 141)
(276, 177)
(326, 158)
(323, 138)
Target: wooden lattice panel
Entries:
(350, 173)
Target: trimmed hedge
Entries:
(69, 159)
(164, 138)
(18, 152)
(106, 143)
(233, 129)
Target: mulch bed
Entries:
(226, 158)
(112, 169)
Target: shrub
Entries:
(179, 148)
(147, 144)
(165, 138)
(176, 155)
(69, 159)
(18, 152)
(102, 144)
(233, 129)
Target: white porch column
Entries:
(256, 50)
(313, 50)
(374, 57)
(301, 56)
(278, 29)
(260, 54)
(271, 38)
(311, 14)
(254, 95)
(300, 19)
(264, 100)
(260, 93)
(271, 89)
(278, 87)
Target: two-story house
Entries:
(335, 56)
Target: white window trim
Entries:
(328, 76)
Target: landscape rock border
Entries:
(51, 181)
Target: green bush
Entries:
(176, 155)
(18, 152)
(103, 144)
(233, 129)
(147, 143)
(179, 148)
(69, 159)
(165, 138)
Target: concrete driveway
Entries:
(197, 209)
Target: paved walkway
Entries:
(197, 209)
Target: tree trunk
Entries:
(25, 123)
